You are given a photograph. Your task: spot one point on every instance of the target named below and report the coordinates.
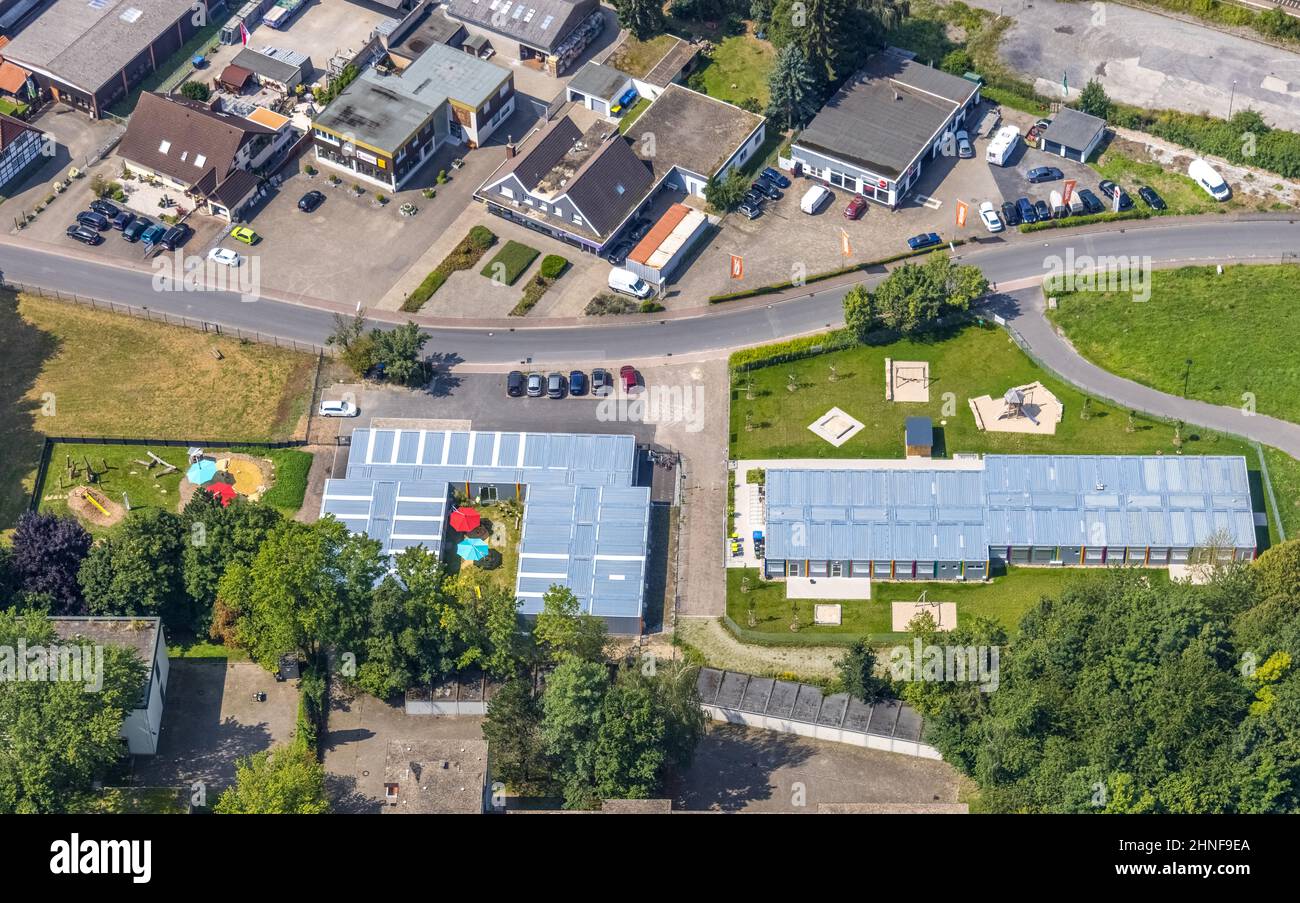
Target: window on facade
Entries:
(487, 494)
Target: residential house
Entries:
(549, 35)
(20, 145)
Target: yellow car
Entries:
(245, 234)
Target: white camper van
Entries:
(629, 283)
(1208, 178)
(814, 198)
(1003, 145)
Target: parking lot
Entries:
(1012, 181)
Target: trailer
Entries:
(1003, 145)
(280, 15)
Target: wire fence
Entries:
(170, 319)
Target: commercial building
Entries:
(923, 519)
(20, 145)
(876, 134)
(423, 27)
(144, 637)
(1073, 134)
(547, 34)
(585, 522)
(91, 55)
(435, 777)
(382, 127)
(208, 154)
(668, 244)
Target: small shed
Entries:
(235, 78)
(599, 87)
(1073, 134)
(918, 437)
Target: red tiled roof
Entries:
(12, 77)
(661, 230)
(11, 130)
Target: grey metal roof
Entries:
(950, 514)
(585, 525)
(886, 114)
(543, 24)
(1073, 128)
(598, 80)
(264, 64)
(88, 43)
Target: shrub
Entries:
(196, 91)
(553, 266)
(510, 262)
(792, 350)
(650, 306)
(1084, 220)
(609, 303)
(462, 257)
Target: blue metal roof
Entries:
(957, 513)
(585, 525)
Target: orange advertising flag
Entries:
(845, 248)
(962, 210)
(1068, 191)
(737, 267)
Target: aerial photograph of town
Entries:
(495, 407)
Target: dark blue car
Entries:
(917, 242)
(775, 176)
(577, 383)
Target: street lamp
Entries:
(1231, 97)
(1187, 376)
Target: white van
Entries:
(1057, 203)
(1002, 146)
(814, 198)
(629, 283)
(1208, 178)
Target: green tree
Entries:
(1093, 100)
(836, 36)
(726, 193)
(285, 780)
(914, 296)
(860, 311)
(482, 620)
(1277, 571)
(398, 349)
(644, 18)
(308, 587)
(136, 570)
(356, 346)
(562, 629)
(957, 62)
(216, 536)
(196, 91)
(857, 672)
(513, 730)
(572, 709)
(629, 745)
(406, 644)
(795, 93)
(56, 738)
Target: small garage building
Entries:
(1073, 134)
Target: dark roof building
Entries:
(599, 87)
(552, 32)
(90, 55)
(874, 136)
(695, 135)
(423, 27)
(1073, 134)
(285, 71)
(432, 777)
(918, 436)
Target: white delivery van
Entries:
(1076, 204)
(629, 283)
(1208, 178)
(1003, 145)
(814, 198)
(1055, 201)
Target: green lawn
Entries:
(502, 576)
(964, 363)
(632, 115)
(117, 476)
(1237, 329)
(738, 70)
(1284, 472)
(137, 801)
(1179, 192)
(510, 262)
(1004, 599)
(292, 468)
(637, 58)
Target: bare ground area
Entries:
(721, 650)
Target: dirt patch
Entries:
(721, 650)
(251, 477)
(94, 507)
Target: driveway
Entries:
(739, 769)
(211, 719)
(74, 139)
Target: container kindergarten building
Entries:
(668, 244)
(955, 520)
(586, 525)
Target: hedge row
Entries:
(313, 709)
(513, 258)
(818, 277)
(1070, 222)
(462, 257)
(792, 350)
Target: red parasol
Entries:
(464, 519)
(223, 491)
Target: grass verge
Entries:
(508, 264)
(462, 257)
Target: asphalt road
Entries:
(1020, 261)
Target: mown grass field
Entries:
(1284, 472)
(73, 371)
(964, 363)
(1237, 329)
(739, 70)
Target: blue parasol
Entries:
(201, 471)
(472, 549)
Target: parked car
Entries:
(1044, 212)
(964, 149)
(754, 197)
(1209, 179)
(555, 385)
(176, 236)
(619, 253)
(601, 381)
(101, 206)
(1091, 203)
(639, 229)
(93, 220)
(1044, 174)
(338, 408)
(989, 215)
(153, 234)
(750, 209)
(1042, 125)
(856, 207)
(766, 189)
(245, 234)
(1150, 198)
(310, 201)
(1059, 208)
(776, 177)
(577, 382)
(628, 283)
(515, 383)
(137, 228)
(1010, 214)
(535, 385)
(627, 377)
(225, 257)
(1108, 189)
(1025, 208)
(84, 234)
(924, 240)
(123, 219)
(814, 198)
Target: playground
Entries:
(482, 542)
(907, 381)
(1030, 408)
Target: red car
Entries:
(627, 377)
(856, 208)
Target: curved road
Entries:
(1010, 265)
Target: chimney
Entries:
(510, 148)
